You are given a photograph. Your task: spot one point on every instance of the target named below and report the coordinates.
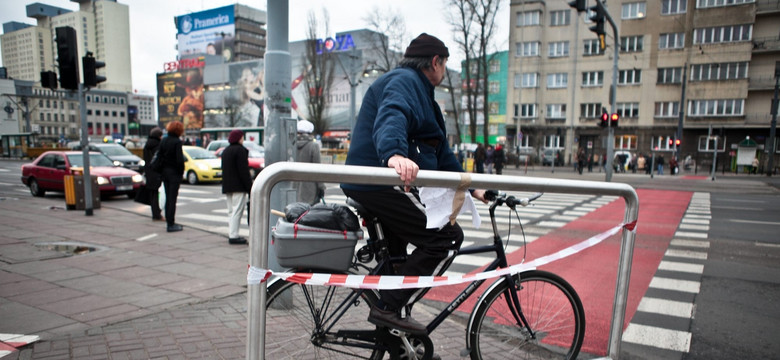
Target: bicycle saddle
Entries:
(361, 210)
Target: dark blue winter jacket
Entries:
(399, 116)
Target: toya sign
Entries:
(342, 42)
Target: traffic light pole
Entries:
(612, 103)
(85, 152)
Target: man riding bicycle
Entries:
(401, 126)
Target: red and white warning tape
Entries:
(382, 282)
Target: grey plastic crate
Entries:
(313, 248)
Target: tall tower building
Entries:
(102, 27)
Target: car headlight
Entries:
(103, 180)
(118, 163)
(203, 167)
(138, 178)
(142, 163)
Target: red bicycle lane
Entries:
(593, 271)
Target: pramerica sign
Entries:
(207, 32)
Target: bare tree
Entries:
(473, 22)
(455, 106)
(318, 77)
(390, 28)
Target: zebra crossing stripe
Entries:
(666, 307)
(681, 267)
(658, 337)
(686, 254)
(676, 285)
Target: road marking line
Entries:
(768, 245)
(676, 285)
(686, 234)
(658, 337)
(686, 254)
(690, 243)
(552, 224)
(666, 307)
(681, 267)
(695, 221)
(147, 237)
(755, 222)
(694, 227)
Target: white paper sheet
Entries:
(438, 206)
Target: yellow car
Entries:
(201, 165)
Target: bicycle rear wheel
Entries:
(306, 318)
(548, 303)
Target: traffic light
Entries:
(604, 120)
(613, 120)
(90, 65)
(67, 57)
(674, 141)
(580, 5)
(49, 80)
(599, 15)
(677, 142)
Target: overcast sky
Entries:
(153, 33)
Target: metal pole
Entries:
(278, 75)
(771, 163)
(612, 97)
(290, 171)
(85, 151)
(682, 116)
(714, 151)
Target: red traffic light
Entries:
(604, 120)
(677, 142)
(613, 121)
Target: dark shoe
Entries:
(393, 320)
(174, 228)
(237, 241)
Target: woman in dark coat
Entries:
(172, 170)
(153, 178)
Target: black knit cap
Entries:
(425, 46)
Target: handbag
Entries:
(142, 195)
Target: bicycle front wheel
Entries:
(550, 306)
(306, 320)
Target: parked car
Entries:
(47, 173)
(201, 165)
(256, 158)
(118, 154)
(216, 145)
(547, 157)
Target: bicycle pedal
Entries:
(396, 333)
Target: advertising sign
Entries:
(207, 32)
(245, 106)
(180, 97)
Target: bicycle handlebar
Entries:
(510, 201)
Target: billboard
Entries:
(180, 97)
(207, 32)
(246, 97)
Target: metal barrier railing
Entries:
(289, 171)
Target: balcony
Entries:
(761, 83)
(764, 7)
(766, 44)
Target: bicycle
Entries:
(530, 315)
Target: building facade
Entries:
(102, 27)
(711, 60)
(497, 77)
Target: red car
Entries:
(47, 173)
(256, 158)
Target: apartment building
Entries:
(712, 60)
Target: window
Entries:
(593, 78)
(554, 141)
(556, 111)
(89, 98)
(671, 41)
(708, 143)
(528, 18)
(590, 111)
(105, 99)
(629, 77)
(493, 108)
(113, 113)
(558, 49)
(670, 75)
(592, 47)
(631, 43)
(105, 112)
(725, 107)
(527, 110)
(670, 7)
(560, 18)
(557, 80)
(716, 3)
(633, 11)
(495, 87)
(89, 111)
(661, 143)
(722, 34)
(628, 110)
(529, 48)
(667, 109)
(719, 71)
(530, 80)
(625, 142)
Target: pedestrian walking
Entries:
(308, 151)
(660, 165)
(153, 178)
(236, 183)
(172, 171)
(499, 158)
(489, 153)
(479, 159)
